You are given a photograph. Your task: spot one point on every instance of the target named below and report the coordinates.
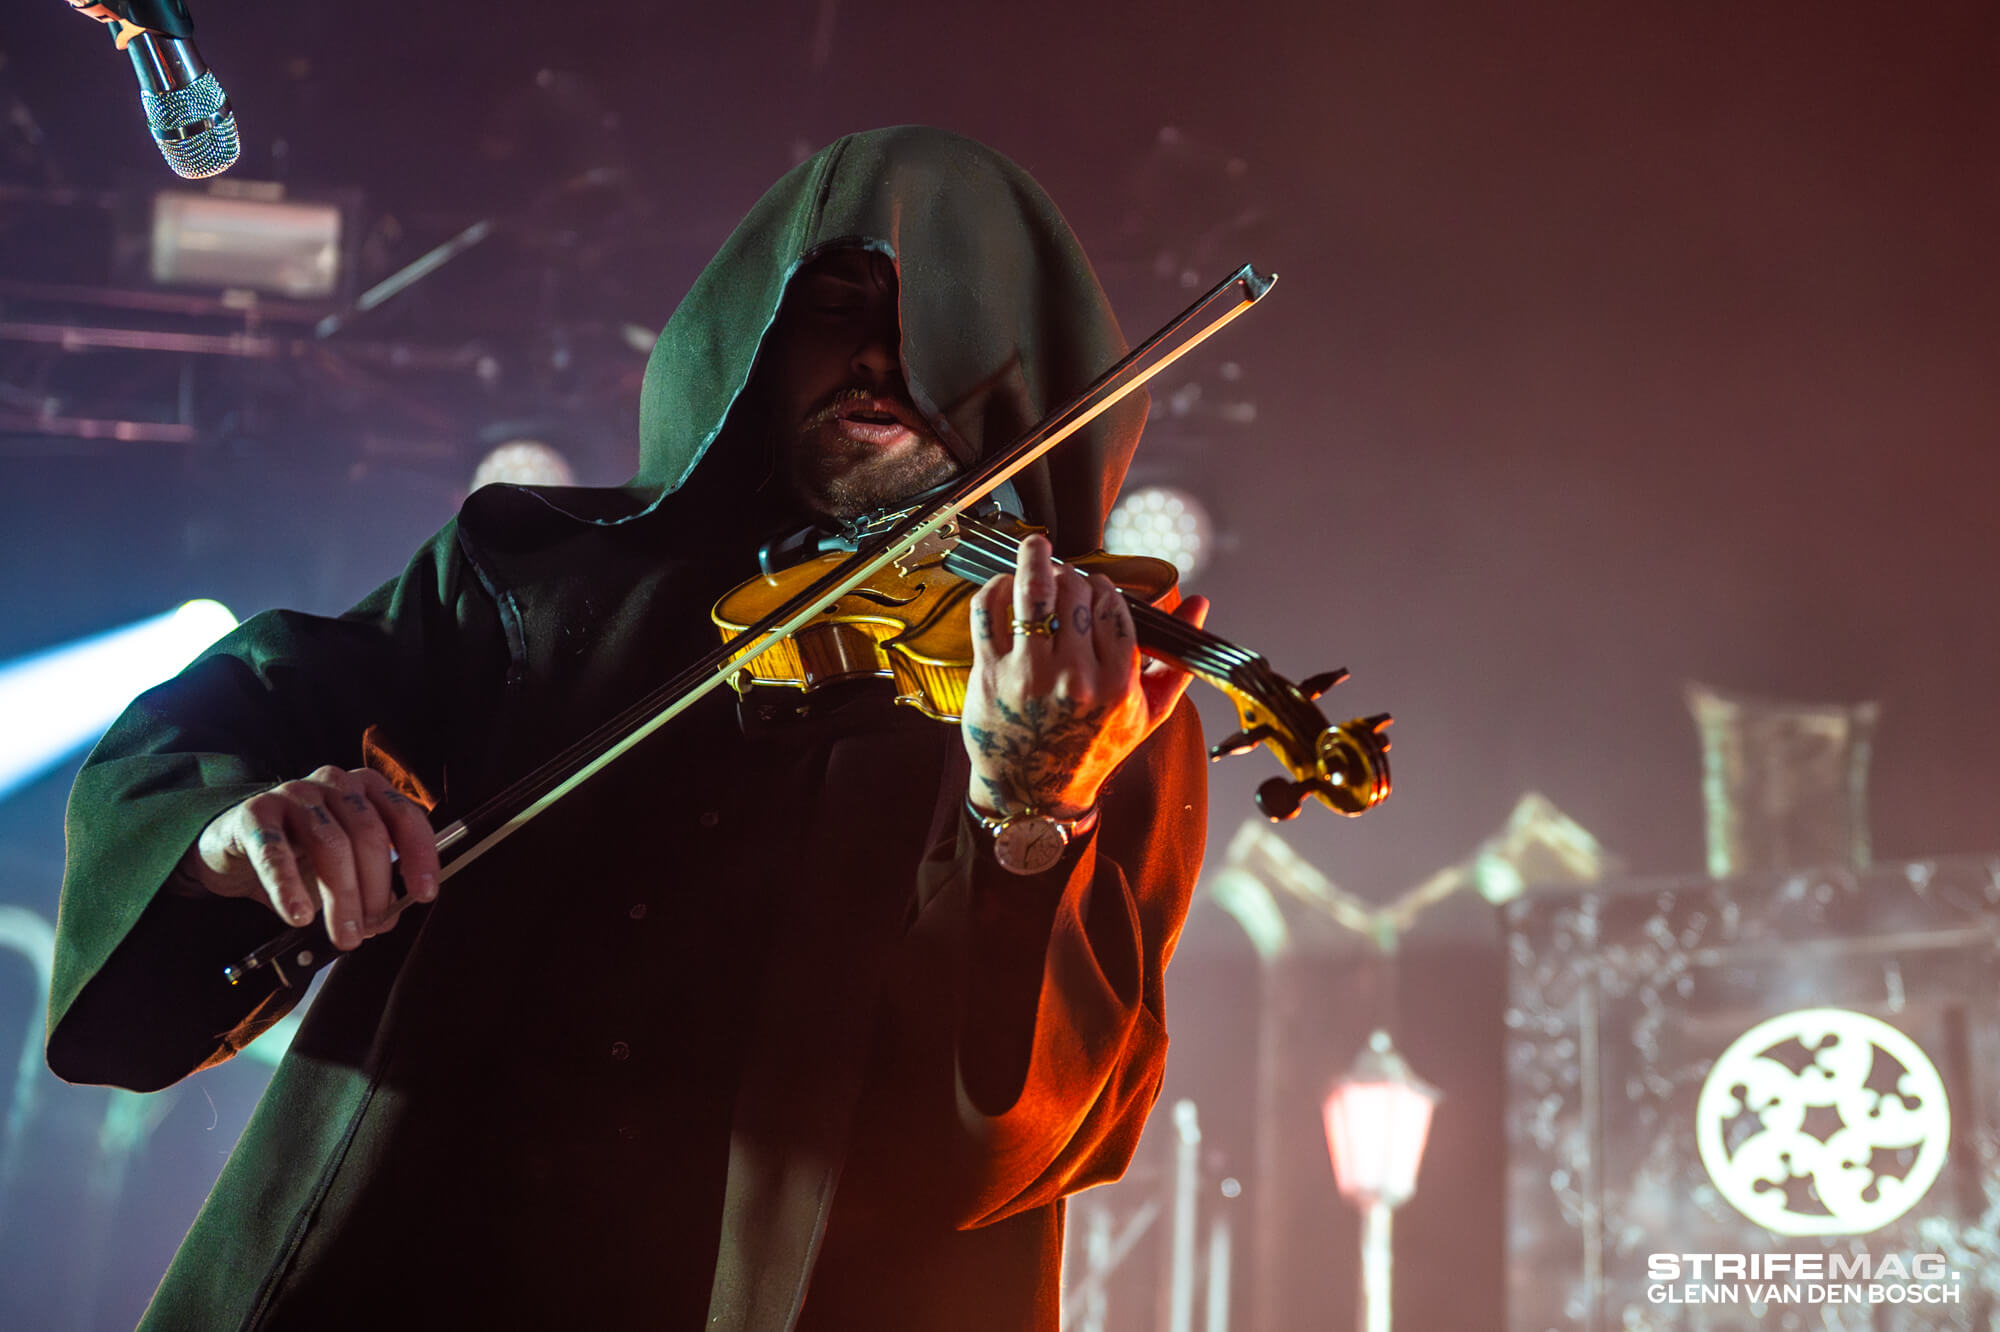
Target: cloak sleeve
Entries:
(138, 999)
(1060, 1039)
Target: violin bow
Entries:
(300, 951)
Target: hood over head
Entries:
(1002, 320)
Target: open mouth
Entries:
(869, 419)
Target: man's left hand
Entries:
(1058, 696)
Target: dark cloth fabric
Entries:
(1002, 321)
(749, 1032)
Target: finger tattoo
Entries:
(269, 837)
(354, 802)
(319, 812)
(1082, 619)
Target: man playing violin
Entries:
(809, 1012)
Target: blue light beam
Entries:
(57, 701)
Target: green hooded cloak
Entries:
(614, 1075)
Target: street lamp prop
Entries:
(1377, 1118)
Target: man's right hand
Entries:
(325, 844)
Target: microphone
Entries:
(186, 110)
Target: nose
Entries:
(877, 359)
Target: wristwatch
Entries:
(1030, 842)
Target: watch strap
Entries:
(1030, 841)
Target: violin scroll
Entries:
(1344, 767)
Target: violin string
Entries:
(1195, 646)
(995, 553)
(1299, 717)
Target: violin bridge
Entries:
(930, 552)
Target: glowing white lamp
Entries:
(1165, 522)
(1377, 1119)
(57, 701)
(524, 462)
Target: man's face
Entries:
(850, 439)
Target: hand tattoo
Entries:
(1039, 748)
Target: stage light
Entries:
(1164, 522)
(1377, 1119)
(524, 462)
(57, 701)
(248, 237)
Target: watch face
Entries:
(1029, 845)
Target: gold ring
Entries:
(1043, 628)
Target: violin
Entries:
(910, 622)
(806, 638)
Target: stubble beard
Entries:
(833, 476)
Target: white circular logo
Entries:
(1823, 1122)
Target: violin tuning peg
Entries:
(1279, 799)
(1378, 723)
(1314, 686)
(1242, 742)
